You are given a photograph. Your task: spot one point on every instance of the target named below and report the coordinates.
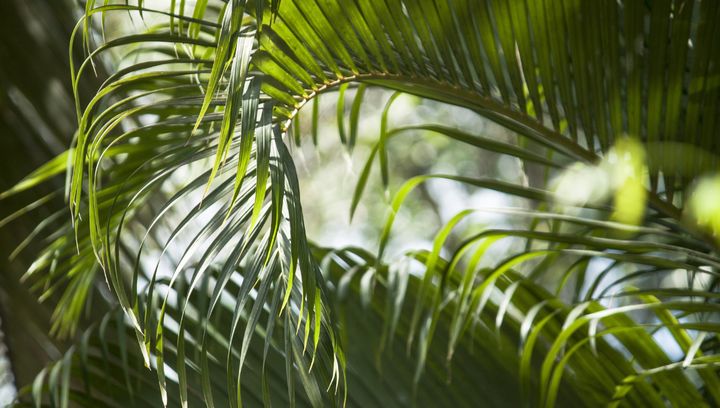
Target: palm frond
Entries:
(184, 196)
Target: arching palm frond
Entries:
(184, 197)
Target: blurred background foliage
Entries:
(329, 170)
(36, 123)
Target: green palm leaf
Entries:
(184, 197)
